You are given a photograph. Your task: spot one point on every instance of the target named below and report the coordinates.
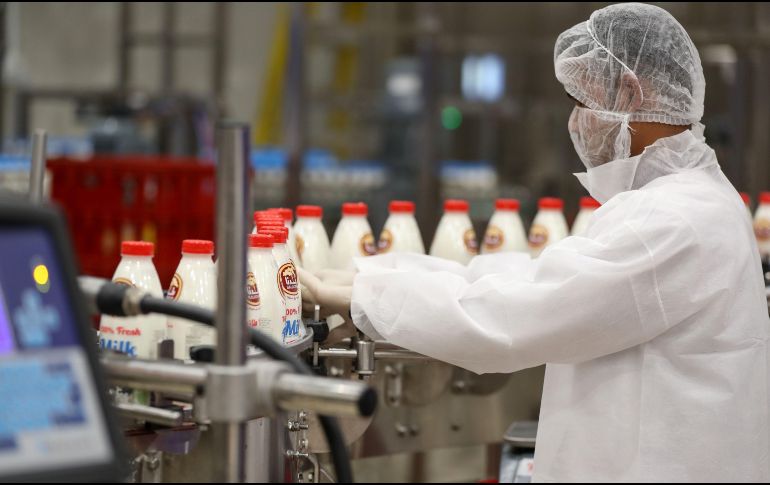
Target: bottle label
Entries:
(117, 345)
(287, 281)
(385, 242)
(469, 239)
(762, 230)
(493, 239)
(538, 236)
(252, 292)
(123, 281)
(291, 326)
(367, 246)
(119, 339)
(300, 244)
(175, 288)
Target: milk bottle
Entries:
(288, 286)
(135, 336)
(401, 233)
(194, 282)
(588, 206)
(455, 238)
(549, 225)
(353, 236)
(264, 296)
(311, 241)
(505, 231)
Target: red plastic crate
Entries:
(108, 199)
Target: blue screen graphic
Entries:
(37, 314)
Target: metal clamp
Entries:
(364, 352)
(233, 392)
(365, 356)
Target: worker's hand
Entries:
(332, 294)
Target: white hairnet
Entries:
(634, 59)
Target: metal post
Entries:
(295, 106)
(124, 54)
(429, 189)
(232, 200)
(167, 48)
(37, 175)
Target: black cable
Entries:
(331, 428)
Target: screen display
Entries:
(50, 412)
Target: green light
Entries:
(451, 118)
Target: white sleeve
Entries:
(585, 297)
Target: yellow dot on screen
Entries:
(40, 274)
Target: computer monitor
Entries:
(55, 424)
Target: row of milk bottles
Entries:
(193, 282)
(276, 247)
(273, 299)
(455, 237)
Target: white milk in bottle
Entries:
(288, 286)
(264, 297)
(505, 232)
(401, 233)
(194, 282)
(311, 240)
(588, 206)
(353, 236)
(455, 238)
(549, 225)
(762, 225)
(135, 336)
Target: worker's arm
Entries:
(585, 297)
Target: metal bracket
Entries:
(232, 392)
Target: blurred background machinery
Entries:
(388, 100)
(385, 100)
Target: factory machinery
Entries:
(422, 404)
(278, 414)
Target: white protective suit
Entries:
(653, 325)
(654, 328)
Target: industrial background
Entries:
(407, 100)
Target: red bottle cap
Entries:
(309, 211)
(764, 198)
(746, 199)
(197, 246)
(401, 207)
(455, 205)
(355, 209)
(285, 213)
(137, 248)
(279, 234)
(260, 241)
(507, 204)
(589, 203)
(551, 203)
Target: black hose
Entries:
(331, 428)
